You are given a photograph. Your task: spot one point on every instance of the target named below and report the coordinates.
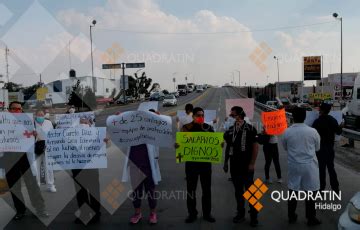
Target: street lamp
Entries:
(335, 15)
(92, 58)
(277, 62)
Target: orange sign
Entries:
(275, 122)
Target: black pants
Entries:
(193, 171)
(326, 157)
(310, 211)
(271, 153)
(89, 193)
(17, 166)
(242, 180)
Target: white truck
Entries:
(352, 112)
(4, 99)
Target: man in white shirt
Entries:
(188, 118)
(301, 143)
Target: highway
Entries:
(172, 207)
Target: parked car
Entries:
(350, 218)
(273, 104)
(159, 96)
(170, 100)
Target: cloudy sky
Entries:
(205, 40)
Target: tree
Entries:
(12, 87)
(89, 99)
(75, 96)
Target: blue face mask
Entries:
(40, 120)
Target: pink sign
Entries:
(246, 103)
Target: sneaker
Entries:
(254, 222)
(18, 216)
(313, 221)
(153, 218)
(239, 218)
(209, 218)
(136, 218)
(190, 219)
(280, 181)
(52, 189)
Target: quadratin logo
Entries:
(112, 193)
(260, 54)
(254, 193)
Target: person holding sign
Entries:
(194, 170)
(327, 127)
(143, 160)
(17, 166)
(43, 126)
(84, 196)
(242, 150)
(301, 143)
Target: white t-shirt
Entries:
(184, 120)
(43, 129)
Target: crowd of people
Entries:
(310, 150)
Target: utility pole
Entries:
(7, 63)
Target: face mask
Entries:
(40, 120)
(47, 116)
(72, 110)
(200, 120)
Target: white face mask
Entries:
(72, 110)
(84, 125)
(47, 116)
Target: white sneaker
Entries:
(280, 181)
(52, 189)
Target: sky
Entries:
(208, 41)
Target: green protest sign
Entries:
(199, 147)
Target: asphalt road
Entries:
(172, 205)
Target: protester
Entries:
(42, 127)
(301, 142)
(194, 170)
(327, 127)
(17, 166)
(188, 118)
(90, 194)
(271, 153)
(143, 160)
(242, 150)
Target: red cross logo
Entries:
(28, 134)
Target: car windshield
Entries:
(169, 97)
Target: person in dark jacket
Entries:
(194, 170)
(241, 149)
(327, 127)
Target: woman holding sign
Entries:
(42, 127)
(142, 161)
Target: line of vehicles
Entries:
(170, 99)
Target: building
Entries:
(332, 85)
(60, 90)
(288, 89)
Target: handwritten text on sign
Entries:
(140, 127)
(63, 121)
(76, 148)
(199, 147)
(16, 132)
(275, 122)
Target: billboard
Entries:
(312, 68)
